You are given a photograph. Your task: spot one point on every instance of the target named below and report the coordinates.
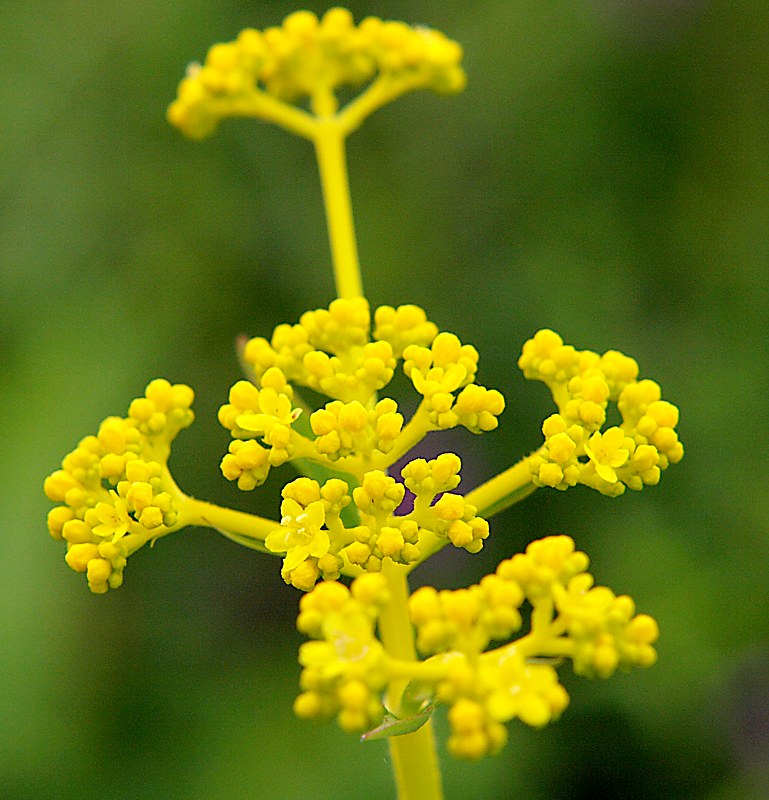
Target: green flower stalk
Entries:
(379, 659)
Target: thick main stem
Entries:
(329, 142)
(415, 762)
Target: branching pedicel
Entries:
(343, 517)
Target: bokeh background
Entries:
(605, 173)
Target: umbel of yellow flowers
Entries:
(347, 534)
(118, 493)
(263, 73)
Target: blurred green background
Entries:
(605, 173)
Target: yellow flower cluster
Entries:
(451, 515)
(313, 58)
(545, 563)
(267, 413)
(344, 670)
(466, 619)
(484, 689)
(597, 630)
(330, 351)
(334, 352)
(499, 687)
(346, 428)
(439, 372)
(115, 489)
(577, 449)
(311, 534)
(317, 544)
(569, 619)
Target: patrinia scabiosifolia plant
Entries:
(379, 658)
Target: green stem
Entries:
(415, 761)
(503, 490)
(226, 520)
(260, 105)
(416, 429)
(329, 142)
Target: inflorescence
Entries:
(263, 73)
(115, 488)
(358, 436)
(315, 396)
(345, 667)
(117, 494)
(576, 449)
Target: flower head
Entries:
(577, 448)
(115, 490)
(475, 665)
(317, 543)
(337, 352)
(268, 74)
(344, 669)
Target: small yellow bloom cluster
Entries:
(311, 533)
(346, 428)
(569, 619)
(546, 562)
(344, 670)
(438, 372)
(317, 544)
(466, 619)
(115, 487)
(499, 687)
(576, 449)
(313, 58)
(330, 351)
(334, 352)
(267, 413)
(484, 689)
(451, 515)
(596, 629)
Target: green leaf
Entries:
(395, 726)
(416, 697)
